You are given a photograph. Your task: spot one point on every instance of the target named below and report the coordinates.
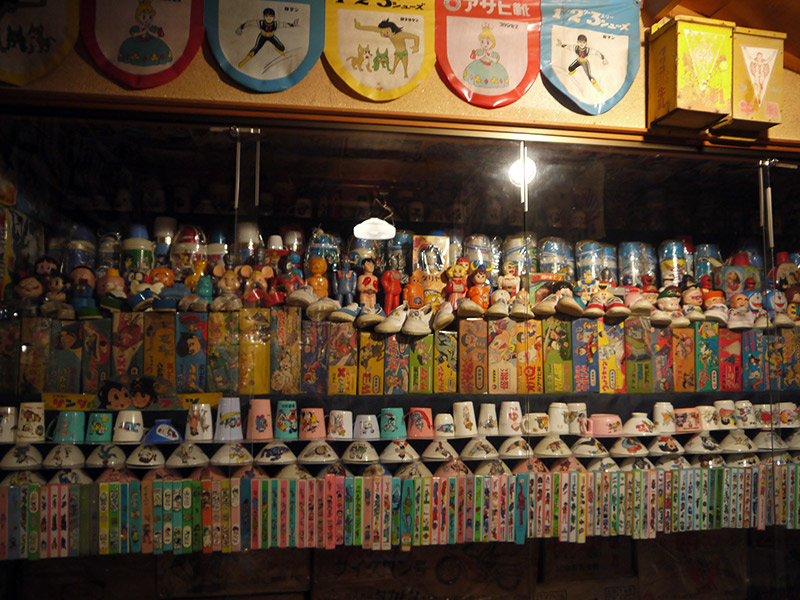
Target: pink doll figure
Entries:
(509, 281)
(456, 288)
(692, 298)
(367, 284)
(317, 280)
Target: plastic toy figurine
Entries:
(692, 299)
(111, 290)
(46, 267)
(414, 293)
(83, 284)
(509, 280)
(775, 303)
(29, 290)
(669, 309)
(227, 288)
(478, 293)
(367, 284)
(255, 289)
(345, 283)
(317, 280)
(392, 282)
(199, 267)
(287, 280)
(55, 300)
(456, 288)
(714, 305)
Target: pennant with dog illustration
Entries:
(142, 43)
(35, 37)
(266, 46)
(488, 52)
(590, 50)
(382, 49)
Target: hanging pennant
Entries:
(382, 49)
(266, 46)
(590, 50)
(35, 37)
(488, 52)
(142, 43)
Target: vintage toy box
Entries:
(159, 350)
(343, 359)
(530, 367)
(663, 380)
(707, 356)
(222, 362)
(736, 279)
(689, 72)
(395, 374)
(753, 357)
(730, 360)
(127, 346)
(420, 364)
(611, 355)
(472, 356)
(502, 340)
(9, 357)
(371, 363)
(585, 361)
(773, 359)
(34, 356)
(66, 350)
(445, 362)
(640, 338)
(191, 344)
(683, 357)
(254, 338)
(284, 360)
(314, 357)
(96, 357)
(431, 255)
(557, 344)
(791, 359)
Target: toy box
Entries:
(222, 363)
(791, 360)
(395, 374)
(730, 360)
(343, 359)
(127, 346)
(556, 341)
(530, 368)
(34, 356)
(314, 357)
(502, 356)
(737, 279)
(445, 362)
(773, 359)
(191, 343)
(66, 350)
(254, 335)
(371, 363)
(284, 360)
(9, 357)
(611, 355)
(431, 255)
(585, 360)
(640, 338)
(753, 369)
(472, 356)
(159, 350)
(707, 356)
(683, 357)
(663, 380)
(420, 365)
(96, 356)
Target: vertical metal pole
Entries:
(258, 166)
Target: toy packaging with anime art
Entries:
(730, 360)
(530, 370)
(254, 350)
(502, 343)
(445, 358)
(683, 359)
(639, 340)
(371, 363)
(343, 359)
(285, 350)
(96, 356)
(222, 362)
(556, 334)
(707, 356)
(395, 374)
(191, 337)
(314, 357)
(472, 356)
(420, 364)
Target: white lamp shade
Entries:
(374, 229)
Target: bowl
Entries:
(318, 452)
(21, 457)
(702, 443)
(551, 446)
(515, 447)
(479, 448)
(399, 451)
(665, 445)
(736, 442)
(628, 446)
(452, 468)
(275, 453)
(360, 451)
(602, 464)
(337, 468)
(493, 467)
(639, 425)
(64, 456)
(439, 450)
(636, 463)
(566, 464)
(187, 454)
(69, 476)
(588, 447)
(294, 471)
(742, 460)
(706, 461)
(230, 455)
(767, 440)
(145, 456)
(672, 463)
(22, 478)
(413, 470)
(530, 465)
(105, 456)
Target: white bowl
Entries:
(777, 458)
(337, 468)
(452, 468)
(566, 464)
(671, 463)
(275, 453)
(793, 441)
(588, 447)
(413, 470)
(603, 464)
(636, 463)
(64, 456)
(318, 452)
(493, 467)
(69, 476)
(742, 460)
(399, 451)
(375, 470)
(21, 458)
(706, 461)
(188, 454)
(439, 450)
(230, 455)
(105, 456)
(665, 445)
(479, 448)
(767, 440)
(145, 456)
(702, 443)
(736, 442)
(530, 465)
(628, 446)
(293, 471)
(22, 478)
(551, 446)
(515, 447)
(360, 451)
(639, 425)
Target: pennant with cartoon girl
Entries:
(590, 50)
(266, 46)
(35, 37)
(142, 43)
(488, 52)
(382, 49)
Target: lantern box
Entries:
(689, 72)
(757, 94)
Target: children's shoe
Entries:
(570, 305)
(393, 323)
(322, 309)
(596, 307)
(469, 308)
(444, 316)
(546, 307)
(694, 313)
(303, 296)
(521, 308)
(658, 318)
(369, 316)
(418, 321)
(781, 319)
(717, 313)
(499, 307)
(761, 321)
(346, 314)
(739, 319)
(615, 307)
(679, 320)
(638, 305)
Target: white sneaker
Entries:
(393, 323)
(740, 319)
(370, 316)
(658, 318)
(761, 321)
(321, 309)
(546, 307)
(303, 296)
(444, 316)
(679, 320)
(499, 307)
(521, 308)
(418, 321)
(717, 313)
(781, 319)
(346, 314)
(694, 313)
(469, 308)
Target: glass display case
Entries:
(546, 357)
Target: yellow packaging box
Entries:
(254, 336)
(371, 363)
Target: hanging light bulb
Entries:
(375, 228)
(515, 171)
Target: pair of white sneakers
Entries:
(411, 321)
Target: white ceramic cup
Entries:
(464, 417)
(709, 417)
(784, 414)
(510, 421)
(30, 422)
(199, 423)
(559, 418)
(129, 427)
(444, 426)
(8, 424)
(763, 414)
(727, 413)
(340, 425)
(487, 419)
(745, 415)
(577, 411)
(229, 421)
(366, 428)
(536, 424)
(664, 417)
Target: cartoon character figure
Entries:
(144, 48)
(456, 288)
(398, 37)
(345, 282)
(509, 281)
(391, 281)
(114, 395)
(362, 56)
(485, 70)
(267, 26)
(414, 293)
(317, 280)
(381, 60)
(582, 53)
(143, 392)
(367, 284)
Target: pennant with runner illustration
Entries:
(382, 49)
(488, 52)
(590, 50)
(142, 43)
(35, 37)
(266, 46)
